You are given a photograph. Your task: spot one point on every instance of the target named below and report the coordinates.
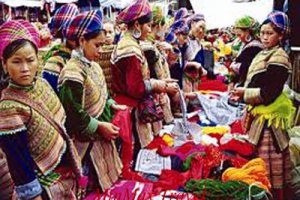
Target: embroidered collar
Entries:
(79, 54)
(14, 85)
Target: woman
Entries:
(181, 31)
(271, 109)
(58, 55)
(246, 29)
(41, 160)
(83, 92)
(194, 54)
(130, 73)
(105, 53)
(155, 50)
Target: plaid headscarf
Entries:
(84, 23)
(180, 26)
(62, 18)
(158, 16)
(181, 13)
(247, 22)
(280, 20)
(134, 11)
(14, 30)
(195, 18)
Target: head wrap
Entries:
(138, 9)
(15, 30)
(280, 20)
(170, 37)
(181, 13)
(158, 15)
(84, 23)
(246, 22)
(62, 18)
(180, 26)
(195, 18)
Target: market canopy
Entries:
(65, 1)
(223, 13)
(27, 3)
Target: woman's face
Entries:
(269, 37)
(110, 33)
(182, 38)
(22, 65)
(145, 30)
(198, 29)
(92, 47)
(242, 34)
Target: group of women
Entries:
(56, 127)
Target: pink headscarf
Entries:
(17, 29)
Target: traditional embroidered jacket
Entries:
(54, 61)
(105, 64)
(33, 137)
(264, 85)
(131, 80)
(84, 95)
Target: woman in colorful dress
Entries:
(130, 73)
(271, 110)
(83, 92)
(194, 54)
(246, 29)
(58, 55)
(154, 50)
(41, 158)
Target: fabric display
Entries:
(218, 110)
(148, 161)
(128, 190)
(236, 143)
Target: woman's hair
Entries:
(91, 35)
(12, 48)
(142, 20)
(276, 29)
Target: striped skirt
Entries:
(279, 165)
(7, 190)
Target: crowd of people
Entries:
(75, 119)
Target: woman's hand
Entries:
(190, 95)
(108, 130)
(117, 107)
(237, 94)
(172, 88)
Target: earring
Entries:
(248, 38)
(136, 33)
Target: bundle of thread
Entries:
(209, 189)
(253, 172)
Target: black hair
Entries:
(142, 20)
(276, 29)
(94, 34)
(91, 35)
(15, 46)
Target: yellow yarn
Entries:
(215, 129)
(254, 171)
(168, 139)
